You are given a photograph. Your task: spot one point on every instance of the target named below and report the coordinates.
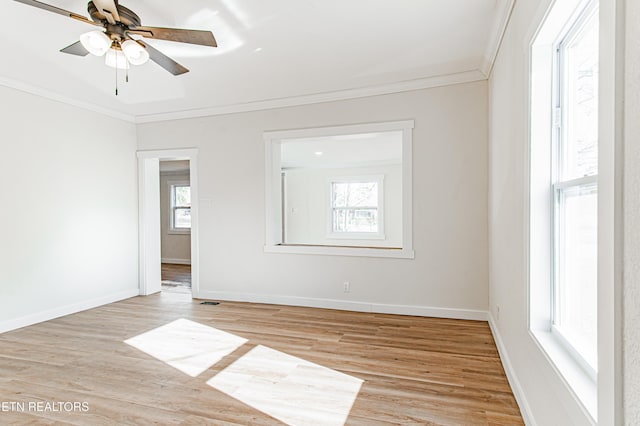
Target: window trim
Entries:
(542, 186)
(379, 235)
(273, 194)
(172, 230)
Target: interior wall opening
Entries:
(175, 226)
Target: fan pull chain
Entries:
(116, 76)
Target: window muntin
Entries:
(180, 207)
(356, 207)
(575, 189)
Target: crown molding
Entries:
(363, 92)
(404, 86)
(48, 94)
(499, 27)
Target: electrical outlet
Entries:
(347, 286)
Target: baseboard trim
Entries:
(50, 314)
(346, 305)
(512, 377)
(176, 261)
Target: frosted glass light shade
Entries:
(135, 53)
(116, 59)
(96, 42)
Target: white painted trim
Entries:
(176, 261)
(148, 221)
(273, 193)
(495, 38)
(48, 94)
(349, 129)
(342, 251)
(363, 92)
(346, 305)
(512, 377)
(190, 154)
(62, 311)
(355, 93)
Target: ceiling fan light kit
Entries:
(96, 42)
(115, 41)
(116, 59)
(135, 54)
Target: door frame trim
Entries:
(149, 242)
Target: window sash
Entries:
(563, 184)
(176, 207)
(333, 226)
(175, 221)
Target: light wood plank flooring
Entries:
(415, 371)
(176, 278)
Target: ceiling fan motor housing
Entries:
(128, 18)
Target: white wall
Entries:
(631, 197)
(307, 205)
(175, 248)
(69, 209)
(450, 206)
(541, 392)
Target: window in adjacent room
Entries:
(564, 193)
(356, 207)
(180, 198)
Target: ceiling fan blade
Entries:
(75, 49)
(163, 60)
(109, 8)
(59, 11)
(204, 38)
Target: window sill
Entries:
(389, 252)
(583, 388)
(179, 232)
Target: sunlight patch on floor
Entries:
(290, 389)
(186, 345)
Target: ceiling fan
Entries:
(115, 41)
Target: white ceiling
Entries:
(271, 53)
(357, 150)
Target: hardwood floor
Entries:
(414, 371)
(176, 278)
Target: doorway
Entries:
(175, 226)
(168, 210)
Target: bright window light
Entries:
(576, 189)
(356, 206)
(180, 207)
(563, 203)
(187, 345)
(290, 389)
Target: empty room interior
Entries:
(307, 212)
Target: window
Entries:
(180, 207)
(563, 204)
(575, 188)
(356, 207)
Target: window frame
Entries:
(560, 183)
(543, 187)
(172, 185)
(273, 193)
(378, 235)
